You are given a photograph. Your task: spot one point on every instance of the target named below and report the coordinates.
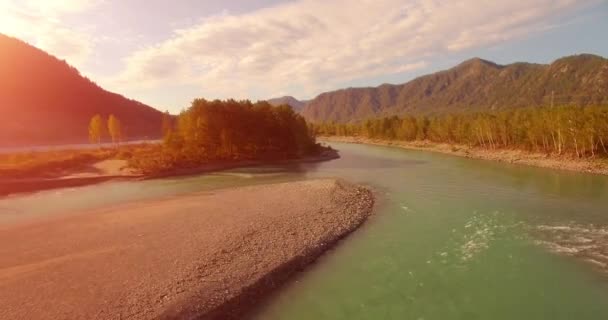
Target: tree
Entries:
(579, 131)
(96, 129)
(115, 129)
(236, 129)
(167, 124)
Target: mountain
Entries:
(475, 84)
(296, 104)
(43, 100)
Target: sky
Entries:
(166, 53)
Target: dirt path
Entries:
(209, 256)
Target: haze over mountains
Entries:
(43, 100)
(475, 84)
(295, 104)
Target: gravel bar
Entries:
(211, 255)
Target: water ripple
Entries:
(586, 242)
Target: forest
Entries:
(229, 130)
(567, 130)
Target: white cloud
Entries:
(75, 47)
(40, 23)
(58, 7)
(316, 44)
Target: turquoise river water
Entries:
(452, 238)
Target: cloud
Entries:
(73, 46)
(58, 7)
(314, 45)
(40, 23)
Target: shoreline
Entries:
(184, 257)
(21, 186)
(221, 166)
(593, 166)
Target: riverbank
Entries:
(326, 155)
(595, 166)
(184, 257)
(116, 169)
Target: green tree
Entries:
(96, 129)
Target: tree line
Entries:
(229, 130)
(579, 131)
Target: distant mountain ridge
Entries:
(475, 84)
(296, 104)
(43, 100)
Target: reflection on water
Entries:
(373, 162)
(453, 238)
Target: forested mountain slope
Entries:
(294, 103)
(43, 100)
(475, 84)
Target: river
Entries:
(452, 238)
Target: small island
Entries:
(208, 136)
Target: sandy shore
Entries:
(596, 166)
(206, 256)
(108, 170)
(97, 172)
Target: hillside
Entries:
(475, 84)
(294, 103)
(43, 100)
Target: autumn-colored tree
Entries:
(579, 131)
(167, 124)
(96, 129)
(236, 129)
(115, 129)
(231, 130)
